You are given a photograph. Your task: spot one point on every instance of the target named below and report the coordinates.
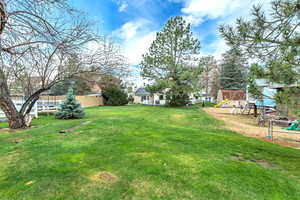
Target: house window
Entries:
(161, 97)
(144, 98)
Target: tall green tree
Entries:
(170, 61)
(233, 70)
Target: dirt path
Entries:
(247, 125)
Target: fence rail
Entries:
(48, 105)
(51, 103)
(18, 105)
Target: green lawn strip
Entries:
(153, 153)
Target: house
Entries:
(269, 90)
(196, 98)
(141, 96)
(234, 97)
(268, 93)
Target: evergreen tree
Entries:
(70, 108)
(169, 61)
(272, 37)
(233, 70)
(115, 97)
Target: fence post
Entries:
(272, 130)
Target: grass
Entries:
(143, 152)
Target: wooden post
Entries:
(255, 110)
(271, 130)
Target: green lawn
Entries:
(141, 152)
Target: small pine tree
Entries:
(70, 108)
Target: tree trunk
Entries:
(15, 119)
(3, 16)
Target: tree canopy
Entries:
(233, 70)
(272, 37)
(38, 41)
(170, 62)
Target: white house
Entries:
(141, 96)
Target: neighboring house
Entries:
(268, 94)
(141, 96)
(269, 91)
(197, 98)
(235, 97)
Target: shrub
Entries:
(114, 97)
(177, 99)
(70, 108)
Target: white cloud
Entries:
(196, 11)
(136, 39)
(195, 21)
(136, 36)
(123, 6)
(220, 47)
(225, 11)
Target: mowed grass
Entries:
(143, 152)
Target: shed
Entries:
(235, 97)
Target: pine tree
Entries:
(272, 37)
(70, 108)
(169, 61)
(233, 70)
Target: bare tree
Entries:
(38, 38)
(215, 81)
(208, 64)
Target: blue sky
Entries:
(133, 23)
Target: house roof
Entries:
(267, 83)
(141, 91)
(234, 94)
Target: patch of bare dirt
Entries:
(247, 125)
(105, 178)
(75, 127)
(237, 157)
(266, 164)
(263, 163)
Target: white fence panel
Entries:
(18, 104)
(48, 105)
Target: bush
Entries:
(70, 108)
(114, 97)
(177, 99)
